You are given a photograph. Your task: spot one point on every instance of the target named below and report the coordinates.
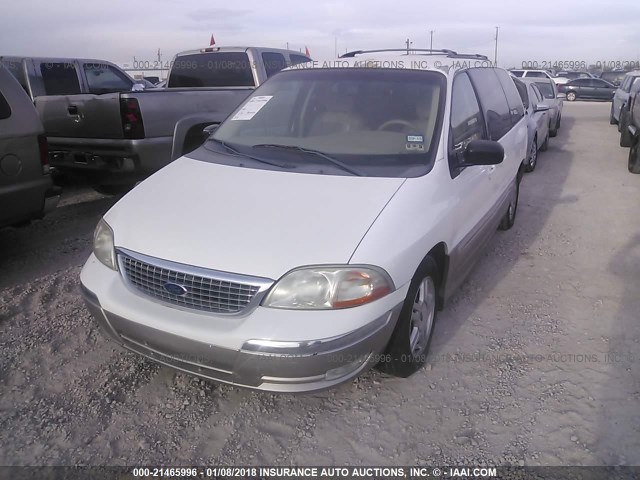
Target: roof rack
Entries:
(430, 51)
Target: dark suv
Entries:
(26, 190)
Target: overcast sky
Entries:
(117, 30)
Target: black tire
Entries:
(114, 189)
(620, 116)
(509, 218)
(634, 156)
(405, 357)
(571, 96)
(532, 156)
(554, 132)
(625, 134)
(545, 145)
(612, 120)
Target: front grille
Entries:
(202, 293)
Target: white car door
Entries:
(471, 189)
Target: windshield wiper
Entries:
(257, 159)
(318, 153)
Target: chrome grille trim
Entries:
(208, 291)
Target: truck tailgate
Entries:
(81, 116)
(161, 109)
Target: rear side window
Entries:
(273, 62)
(217, 69)
(517, 73)
(5, 109)
(492, 100)
(596, 82)
(580, 82)
(516, 109)
(466, 118)
(296, 59)
(60, 78)
(536, 74)
(103, 78)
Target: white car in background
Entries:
(526, 73)
(320, 228)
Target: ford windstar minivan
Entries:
(320, 228)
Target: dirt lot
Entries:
(534, 362)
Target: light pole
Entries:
(495, 54)
(431, 43)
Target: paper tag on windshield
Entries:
(415, 138)
(252, 107)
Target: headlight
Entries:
(320, 288)
(103, 247)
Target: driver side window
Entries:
(466, 122)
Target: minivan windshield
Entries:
(376, 122)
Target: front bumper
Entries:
(262, 362)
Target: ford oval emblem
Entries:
(175, 289)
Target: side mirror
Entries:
(209, 129)
(561, 96)
(541, 107)
(482, 152)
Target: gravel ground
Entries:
(534, 361)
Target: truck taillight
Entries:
(43, 146)
(132, 125)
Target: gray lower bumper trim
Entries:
(266, 368)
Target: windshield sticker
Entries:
(415, 147)
(415, 138)
(252, 107)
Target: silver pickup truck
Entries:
(113, 136)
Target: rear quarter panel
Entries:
(22, 183)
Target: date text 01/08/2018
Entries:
(580, 64)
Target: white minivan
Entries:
(319, 229)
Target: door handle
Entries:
(72, 109)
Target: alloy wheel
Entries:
(422, 316)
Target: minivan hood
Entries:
(248, 221)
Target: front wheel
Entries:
(409, 344)
(625, 134)
(509, 218)
(634, 157)
(533, 156)
(571, 96)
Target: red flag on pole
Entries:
(212, 41)
(306, 51)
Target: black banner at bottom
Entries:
(320, 473)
